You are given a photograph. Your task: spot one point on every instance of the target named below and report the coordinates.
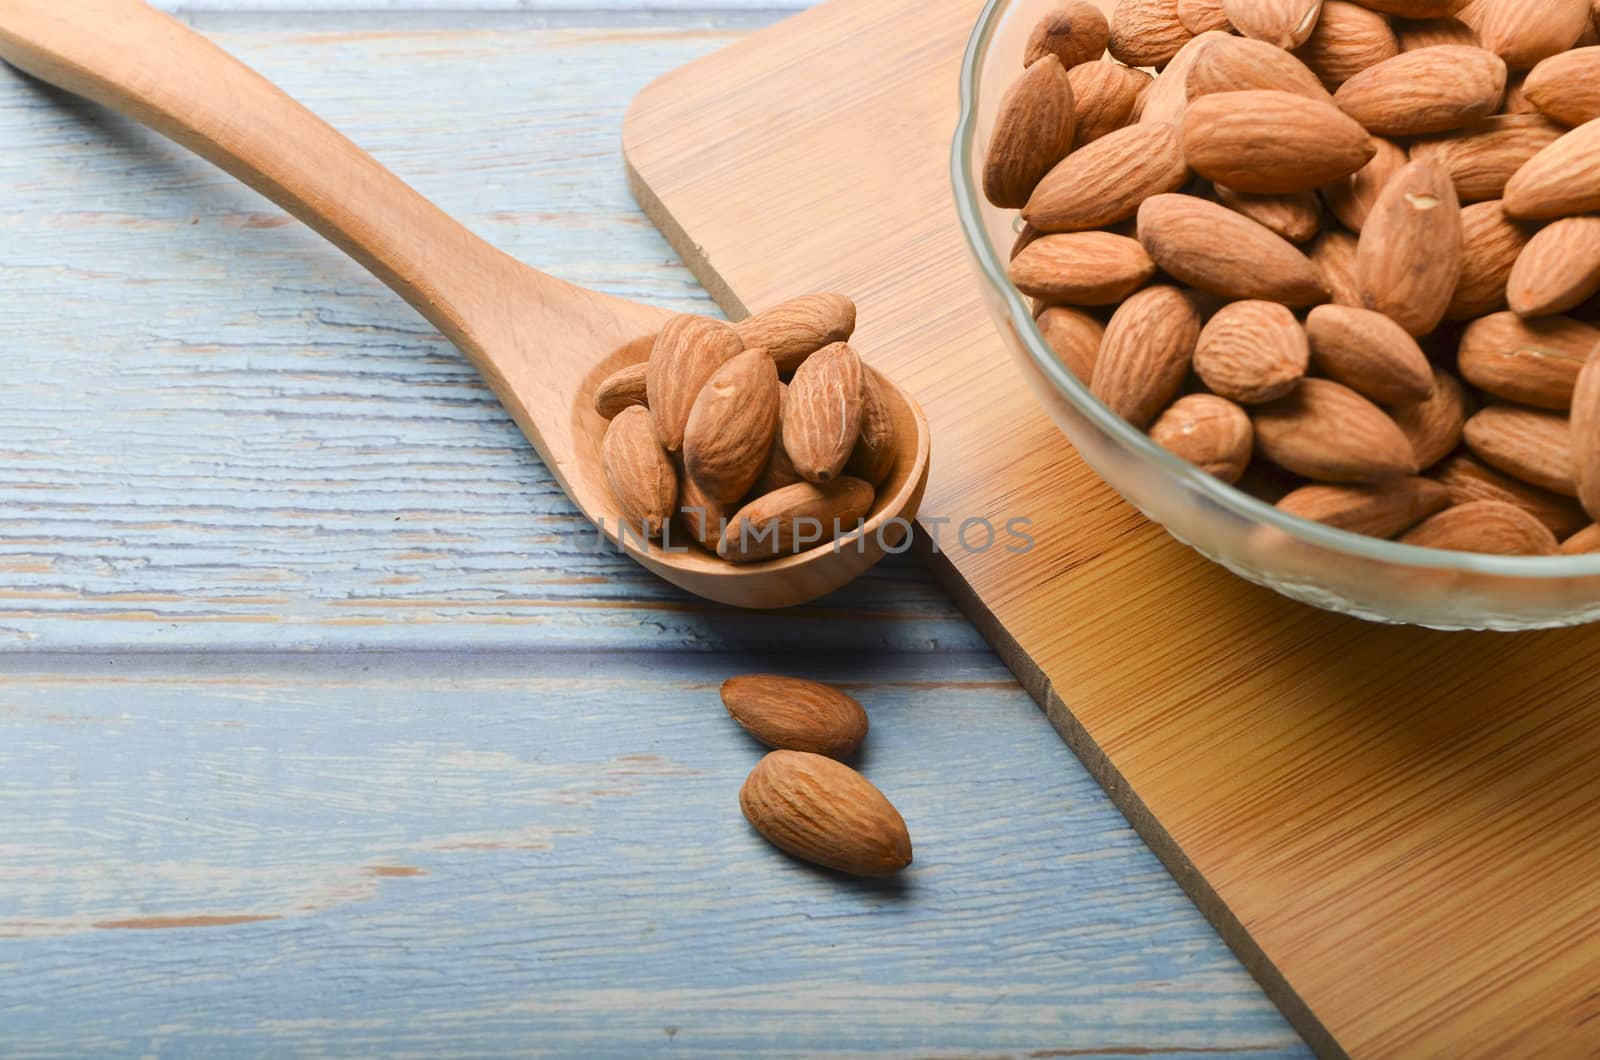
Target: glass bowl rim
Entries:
(1213, 489)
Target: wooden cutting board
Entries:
(1397, 830)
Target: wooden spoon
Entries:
(542, 344)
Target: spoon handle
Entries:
(150, 67)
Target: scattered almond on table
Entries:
(1354, 241)
(753, 440)
(800, 797)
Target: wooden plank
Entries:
(1393, 827)
(418, 853)
(292, 458)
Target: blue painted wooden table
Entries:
(325, 729)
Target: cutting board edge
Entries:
(1027, 672)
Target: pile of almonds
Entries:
(1342, 253)
(799, 796)
(707, 433)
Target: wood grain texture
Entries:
(1393, 827)
(475, 855)
(511, 826)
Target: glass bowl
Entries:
(1333, 569)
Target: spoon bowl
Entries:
(542, 344)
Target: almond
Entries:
(1352, 198)
(1296, 218)
(824, 812)
(1522, 32)
(874, 455)
(1202, 16)
(1586, 436)
(792, 331)
(1517, 101)
(1558, 270)
(1483, 156)
(1075, 337)
(1252, 352)
(822, 412)
(729, 435)
(1425, 91)
(1381, 510)
(1106, 181)
(779, 471)
(642, 479)
(1490, 245)
(1583, 542)
(1566, 88)
(1105, 97)
(1147, 32)
(1327, 432)
(791, 714)
(1431, 33)
(1370, 354)
(1238, 64)
(1347, 39)
(794, 518)
(1409, 258)
(1334, 255)
(1272, 143)
(1026, 234)
(1414, 9)
(1082, 268)
(1032, 132)
(1433, 427)
(1528, 444)
(1210, 247)
(1282, 23)
(1489, 527)
(1210, 432)
(1560, 181)
(686, 353)
(1076, 32)
(619, 390)
(1469, 480)
(1146, 353)
(705, 519)
(1531, 362)
(1167, 98)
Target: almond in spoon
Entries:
(639, 472)
(792, 331)
(729, 434)
(619, 390)
(794, 518)
(686, 353)
(822, 412)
